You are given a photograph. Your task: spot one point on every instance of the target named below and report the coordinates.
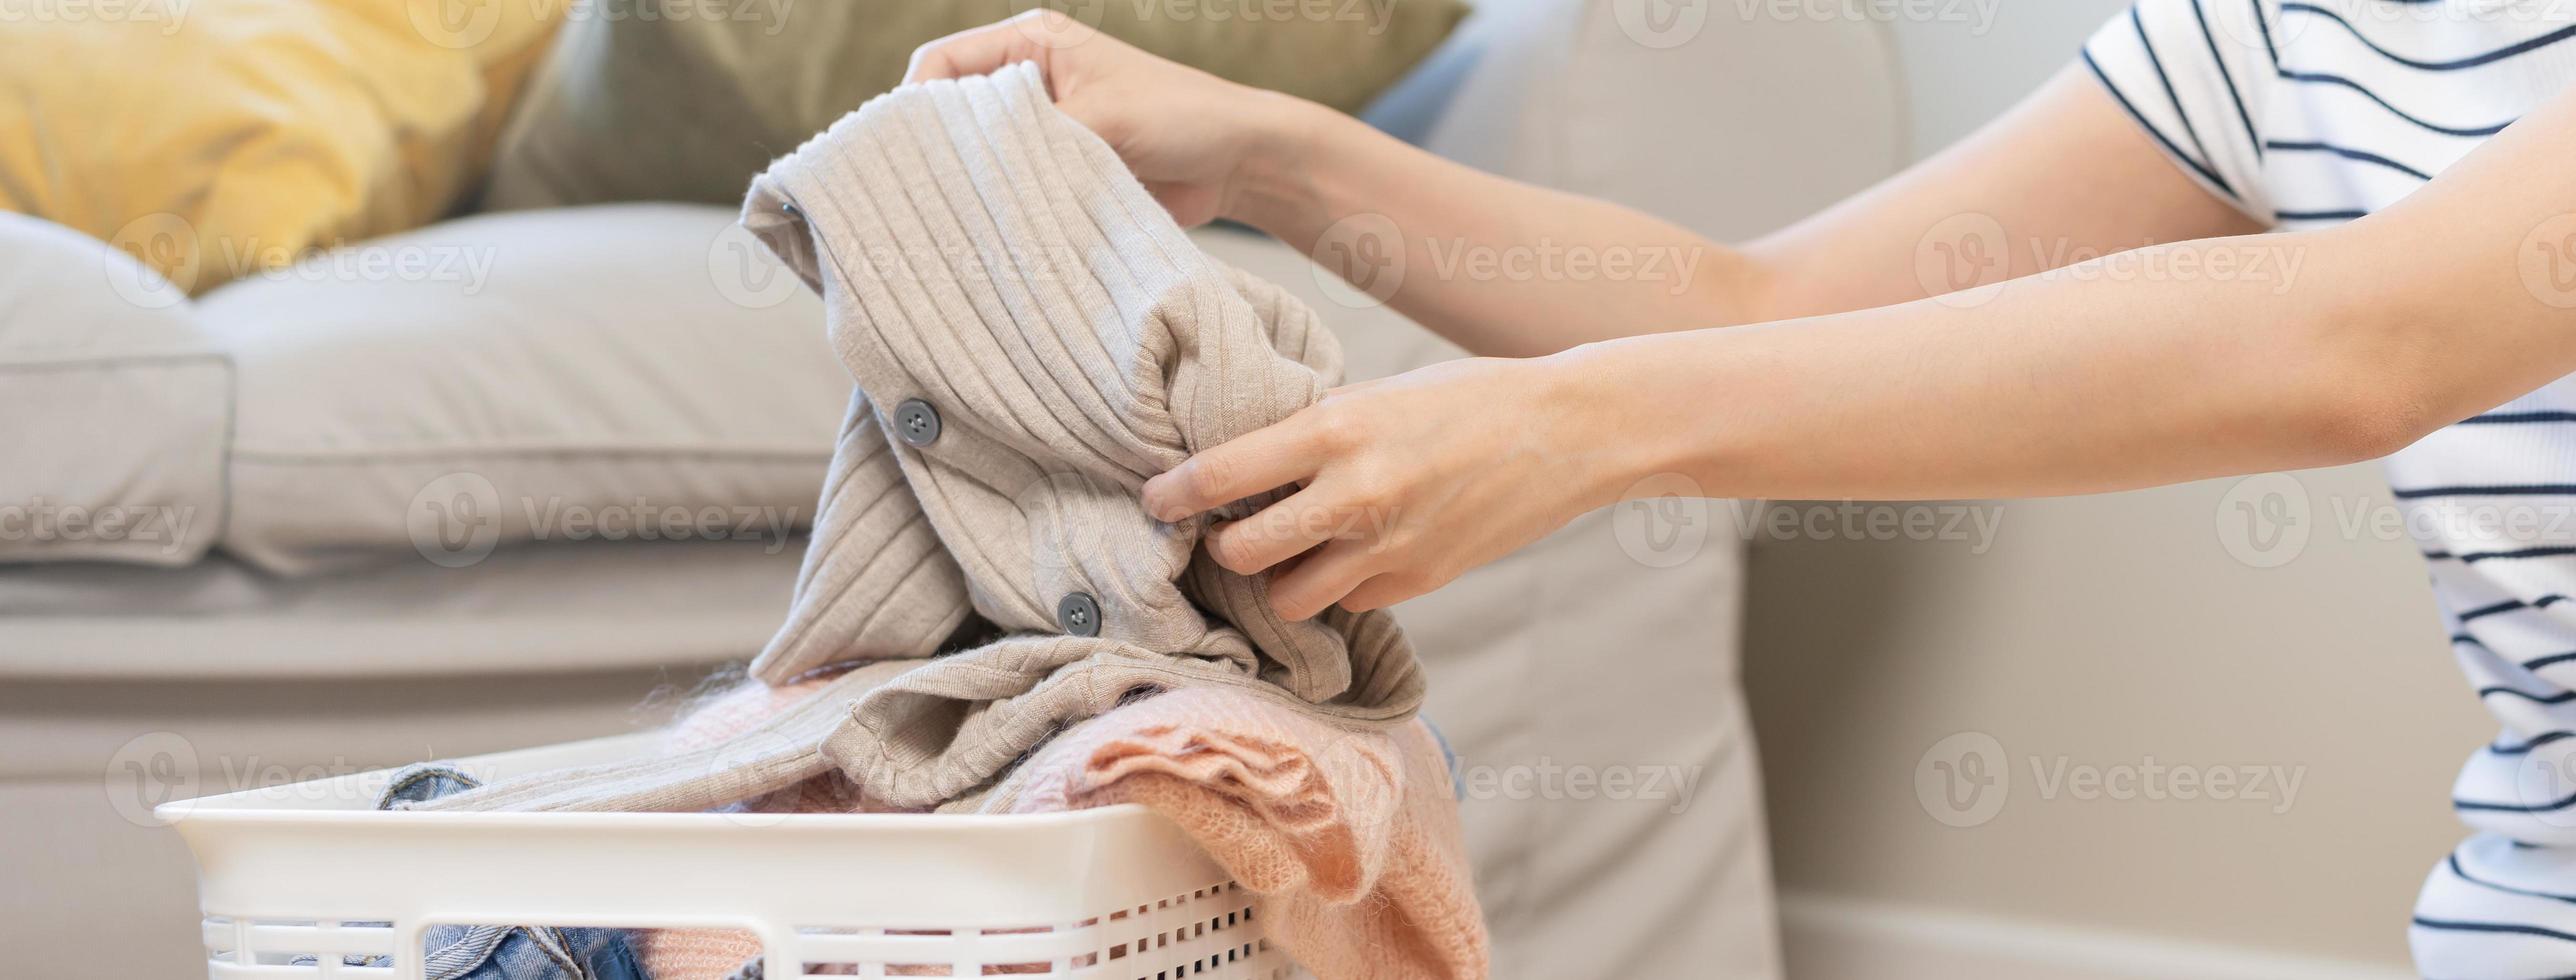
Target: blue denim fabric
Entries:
(500, 952)
(528, 953)
(1457, 780)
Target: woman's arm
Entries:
(2061, 177)
(2162, 365)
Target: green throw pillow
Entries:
(639, 102)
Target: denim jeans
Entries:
(500, 952)
(1448, 758)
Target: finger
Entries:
(1279, 532)
(1380, 592)
(1320, 579)
(1263, 459)
(977, 51)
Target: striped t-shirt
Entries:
(2309, 113)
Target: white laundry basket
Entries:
(311, 872)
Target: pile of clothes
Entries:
(986, 620)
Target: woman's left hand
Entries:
(1406, 482)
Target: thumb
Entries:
(1032, 36)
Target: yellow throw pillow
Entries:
(215, 138)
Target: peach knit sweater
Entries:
(1349, 839)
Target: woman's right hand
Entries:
(1192, 138)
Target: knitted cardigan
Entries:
(1032, 337)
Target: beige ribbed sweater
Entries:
(1032, 337)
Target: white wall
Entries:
(1964, 61)
(2097, 634)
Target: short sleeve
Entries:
(2193, 73)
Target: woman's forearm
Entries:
(1497, 266)
(1505, 268)
(2142, 369)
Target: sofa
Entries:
(270, 658)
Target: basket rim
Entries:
(276, 805)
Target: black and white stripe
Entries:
(2311, 113)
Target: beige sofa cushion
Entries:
(114, 406)
(637, 372)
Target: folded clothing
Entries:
(1349, 840)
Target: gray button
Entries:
(1078, 614)
(916, 423)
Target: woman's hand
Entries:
(1192, 138)
(1406, 482)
